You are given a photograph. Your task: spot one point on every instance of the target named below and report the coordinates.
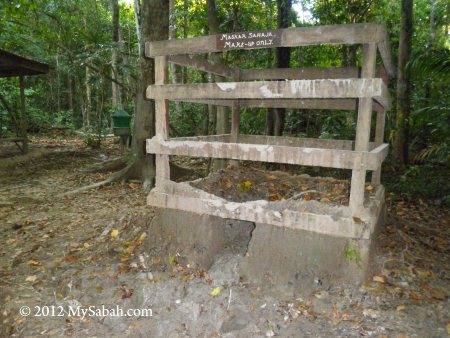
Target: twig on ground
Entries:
(229, 300)
(120, 175)
(297, 196)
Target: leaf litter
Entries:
(90, 249)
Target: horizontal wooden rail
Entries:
(385, 51)
(299, 73)
(331, 220)
(202, 64)
(320, 104)
(278, 141)
(289, 37)
(292, 89)
(330, 158)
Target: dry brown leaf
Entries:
(379, 279)
(71, 259)
(401, 308)
(31, 279)
(34, 262)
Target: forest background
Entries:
(95, 50)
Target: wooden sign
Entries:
(249, 40)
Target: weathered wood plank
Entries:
(322, 104)
(202, 64)
(385, 50)
(299, 73)
(290, 37)
(292, 89)
(379, 138)
(330, 158)
(184, 197)
(235, 114)
(161, 120)
(278, 141)
(362, 139)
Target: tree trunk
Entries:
(70, 93)
(88, 106)
(400, 151)
(154, 25)
(116, 101)
(23, 117)
(283, 57)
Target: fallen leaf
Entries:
(271, 177)
(321, 294)
(71, 259)
(357, 220)
(438, 294)
(86, 245)
(401, 308)
(126, 293)
(34, 262)
(275, 197)
(142, 237)
(114, 233)
(379, 279)
(31, 279)
(371, 313)
(216, 291)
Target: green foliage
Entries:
(75, 37)
(429, 181)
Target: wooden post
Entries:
(162, 121)
(236, 114)
(379, 136)
(23, 117)
(362, 131)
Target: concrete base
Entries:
(296, 261)
(197, 239)
(300, 262)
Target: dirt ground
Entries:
(90, 250)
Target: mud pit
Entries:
(247, 183)
(58, 251)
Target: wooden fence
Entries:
(348, 88)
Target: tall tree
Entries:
(115, 89)
(400, 151)
(153, 25)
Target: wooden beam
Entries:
(319, 104)
(235, 114)
(292, 89)
(385, 50)
(279, 141)
(379, 138)
(331, 220)
(202, 64)
(329, 158)
(161, 120)
(290, 37)
(362, 139)
(299, 73)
